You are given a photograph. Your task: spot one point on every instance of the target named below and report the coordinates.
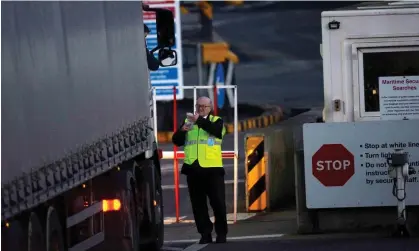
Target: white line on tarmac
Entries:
(230, 218)
(236, 238)
(171, 249)
(195, 247)
(168, 187)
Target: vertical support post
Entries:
(175, 159)
(194, 99)
(155, 113)
(228, 82)
(211, 74)
(199, 64)
(236, 154)
(215, 100)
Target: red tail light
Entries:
(160, 153)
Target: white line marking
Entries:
(171, 220)
(171, 249)
(168, 187)
(230, 219)
(195, 247)
(236, 238)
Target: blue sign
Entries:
(166, 76)
(219, 80)
(152, 43)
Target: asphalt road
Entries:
(279, 49)
(364, 244)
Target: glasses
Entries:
(202, 106)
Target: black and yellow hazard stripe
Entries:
(255, 174)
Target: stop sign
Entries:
(333, 165)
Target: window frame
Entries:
(359, 50)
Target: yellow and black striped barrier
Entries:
(242, 125)
(256, 195)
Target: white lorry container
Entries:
(80, 167)
(360, 44)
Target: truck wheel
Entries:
(36, 239)
(131, 216)
(54, 232)
(157, 225)
(123, 233)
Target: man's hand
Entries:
(186, 128)
(193, 118)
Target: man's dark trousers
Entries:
(209, 185)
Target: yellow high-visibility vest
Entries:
(205, 148)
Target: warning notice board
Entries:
(346, 163)
(399, 97)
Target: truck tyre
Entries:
(121, 227)
(54, 232)
(36, 237)
(156, 228)
(130, 214)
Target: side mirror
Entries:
(167, 57)
(165, 28)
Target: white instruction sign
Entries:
(399, 97)
(346, 163)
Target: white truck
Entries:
(366, 154)
(80, 168)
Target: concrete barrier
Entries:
(285, 185)
(345, 219)
(279, 147)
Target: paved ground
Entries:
(277, 231)
(341, 244)
(278, 44)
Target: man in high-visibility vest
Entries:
(201, 135)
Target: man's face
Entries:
(203, 106)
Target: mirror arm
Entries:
(155, 49)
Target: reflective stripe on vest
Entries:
(204, 147)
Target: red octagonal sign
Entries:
(333, 165)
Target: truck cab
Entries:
(362, 44)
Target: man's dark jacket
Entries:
(213, 128)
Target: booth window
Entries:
(386, 64)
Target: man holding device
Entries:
(201, 134)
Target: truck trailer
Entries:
(80, 167)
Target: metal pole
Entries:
(215, 100)
(155, 112)
(229, 79)
(175, 159)
(236, 153)
(199, 64)
(194, 99)
(211, 80)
